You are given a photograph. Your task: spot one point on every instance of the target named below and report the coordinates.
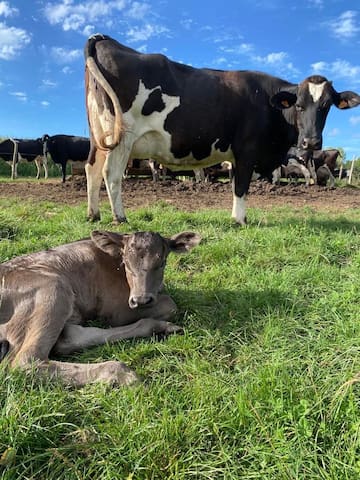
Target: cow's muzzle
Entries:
(311, 143)
(147, 300)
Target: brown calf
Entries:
(48, 297)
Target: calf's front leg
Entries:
(76, 337)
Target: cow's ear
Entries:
(183, 242)
(283, 100)
(109, 242)
(346, 100)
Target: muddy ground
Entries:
(187, 195)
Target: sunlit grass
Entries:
(262, 385)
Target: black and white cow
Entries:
(15, 150)
(64, 148)
(145, 105)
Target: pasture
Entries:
(264, 383)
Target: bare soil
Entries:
(187, 195)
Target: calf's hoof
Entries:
(117, 373)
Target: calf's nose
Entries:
(136, 301)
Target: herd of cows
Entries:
(143, 106)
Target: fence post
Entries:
(351, 170)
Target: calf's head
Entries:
(144, 255)
(312, 100)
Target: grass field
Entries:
(263, 384)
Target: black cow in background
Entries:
(64, 148)
(14, 150)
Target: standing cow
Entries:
(64, 148)
(145, 105)
(15, 150)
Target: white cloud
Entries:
(277, 61)
(49, 83)
(63, 55)
(355, 120)
(66, 70)
(6, 10)
(78, 16)
(45, 103)
(338, 69)
(316, 3)
(344, 27)
(141, 34)
(138, 10)
(20, 96)
(12, 41)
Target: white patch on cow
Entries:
(316, 90)
(239, 209)
(151, 140)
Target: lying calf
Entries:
(48, 297)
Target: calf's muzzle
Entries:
(147, 300)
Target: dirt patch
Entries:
(188, 195)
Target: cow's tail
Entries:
(93, 69)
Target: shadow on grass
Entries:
(225, 310)
(327, 224)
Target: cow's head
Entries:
(144, 255)
(312, 100)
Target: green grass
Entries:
(262, 385)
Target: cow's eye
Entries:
(299, 108)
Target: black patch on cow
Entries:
(154, 103)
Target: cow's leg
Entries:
(199, 175)
(311, 168)
(276, 176)
(45, 165)
(241, 181)
(94, 179)
(37, 162)
(331, 176)
(306, 173)
(113, 171)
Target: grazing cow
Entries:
(64, 148)
(325, 165)
(14, 150)
(320, 163)
(48, 297)
(145, 105)
(293, 170)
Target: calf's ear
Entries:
(183, 242)
(109, 242)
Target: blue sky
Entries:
(42, 67)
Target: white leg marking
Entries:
(239, 209)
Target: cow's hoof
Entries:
(93, 218)
(119, 220)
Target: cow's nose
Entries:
(136, 301)
(311, 143)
